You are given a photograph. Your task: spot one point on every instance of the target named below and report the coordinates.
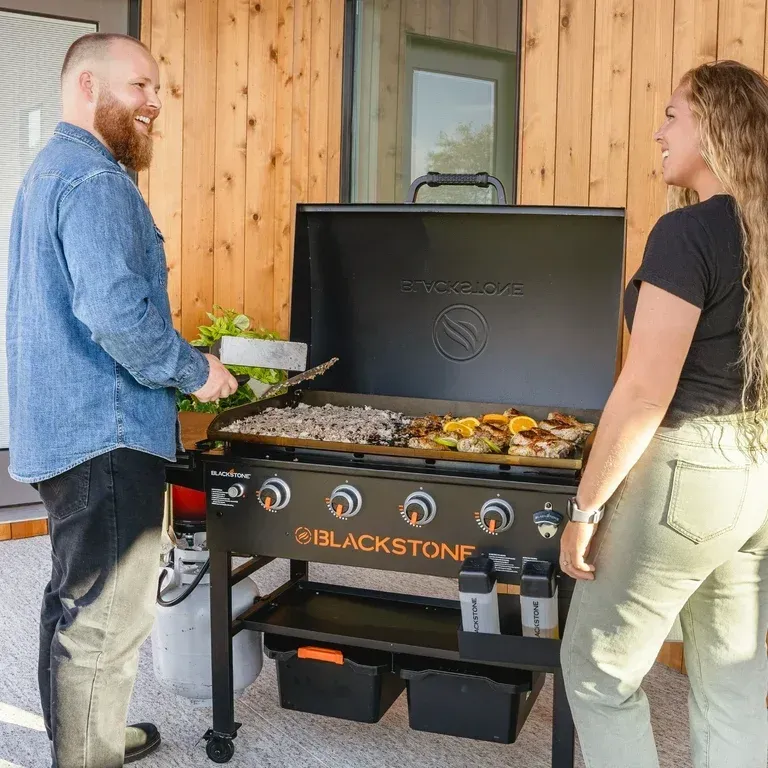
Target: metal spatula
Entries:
(306, 376)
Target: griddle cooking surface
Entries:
(407, 406)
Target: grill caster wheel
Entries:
(220, 750)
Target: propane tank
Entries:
(181, 635)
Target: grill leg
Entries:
(563, 730)
(299, 569)
(221, 645)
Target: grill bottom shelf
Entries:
(363, 618)
(401, 624)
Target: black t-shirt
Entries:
(695, 253)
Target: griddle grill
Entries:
(531, 297)
(221, 430)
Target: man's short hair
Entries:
(92, 46)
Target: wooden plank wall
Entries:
(251, 124)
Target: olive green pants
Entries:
(685, 534)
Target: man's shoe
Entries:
(140, 740)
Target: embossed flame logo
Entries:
(460, 333)
(303, 535)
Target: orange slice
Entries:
(470, 421)
(496, 418)
(456, 426)
(521, 423)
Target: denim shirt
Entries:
(93, 358)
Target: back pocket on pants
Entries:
(67, 493)
(706, 501)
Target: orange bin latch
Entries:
(321, 654)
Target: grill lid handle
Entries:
(433, 179)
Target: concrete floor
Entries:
(272, 737)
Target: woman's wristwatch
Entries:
(579, 516)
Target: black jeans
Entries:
(105, 517)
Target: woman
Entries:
(679, 459)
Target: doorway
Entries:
(34, 37)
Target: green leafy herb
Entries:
(229, 322)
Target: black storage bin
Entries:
(469, 700)
(349, 683)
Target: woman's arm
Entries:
(662, 332)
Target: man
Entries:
(93, 364)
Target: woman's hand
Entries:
(574, 547)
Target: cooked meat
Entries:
(331, 423)
(528, 436)
(529, 450)
(426, 444)
(564, 431)
(499, 435)
(539, 442)
(424, 425)
(510, 413)
(567, 427)
(473, 445)
(559, 450)
(557, 416)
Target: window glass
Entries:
(435, 89)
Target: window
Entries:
(30, 109)
(34, 37)
(435, 89)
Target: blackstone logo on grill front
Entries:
(230, 473)
(461, 287)
(303, 535)
(460, 333)
(384, 545)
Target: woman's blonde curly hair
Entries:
(730, 102)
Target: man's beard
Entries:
(117, 126)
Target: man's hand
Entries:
(574, 547)
(220, 384)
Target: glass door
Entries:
(34, 37)
(459, 117)
(430, 86)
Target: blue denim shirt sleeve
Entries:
(107, 261)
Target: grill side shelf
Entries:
(401, 624)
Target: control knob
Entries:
(345, 501)
(496, 516)
(419, 509)
(274, 494)
(236, 491)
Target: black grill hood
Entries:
(500, 304)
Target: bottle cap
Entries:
(538, 579)
(478, 575)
